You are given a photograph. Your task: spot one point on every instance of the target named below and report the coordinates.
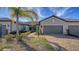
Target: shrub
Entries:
(6, 48)
(23, 35)
(22, 32)
(13, 32)
(19, 37)
(9, 37)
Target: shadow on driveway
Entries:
(61, 36)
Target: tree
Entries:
(36, 20)
(18, 12)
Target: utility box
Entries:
(3, 30)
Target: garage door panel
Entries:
(74, 30)
(53, 29)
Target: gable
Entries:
(53, 21)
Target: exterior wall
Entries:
(25, 27)
(14, 28)
(65, 28)
(3, 30)
(74, 30)
(66, 24)
(56, 21)
(53, 21)
(8, 25)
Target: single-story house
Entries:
(30, 26)
(48, 26)
(6, 26)
(57, 25)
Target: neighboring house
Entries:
(29, 26)
(57, 25)
(5, 24)
(24, 26)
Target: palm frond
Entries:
(32, 13)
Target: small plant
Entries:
(23, 35)
(9, 37)
(19, 37)
(6, 48)
(13, 32)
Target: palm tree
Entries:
(18, 12)
(32, 13)
(36, 21)
(36, 17)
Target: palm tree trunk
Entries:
(17, 22)
(17, 27)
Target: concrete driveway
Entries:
(70, 43)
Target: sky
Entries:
(44, 12)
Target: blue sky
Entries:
(44, 12)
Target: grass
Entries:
(40, 41)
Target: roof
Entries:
(21, 23)
(63, 19)
(5, 19)
(27, 23)
(71, 20)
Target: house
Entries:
(57, 25)
(7, 26)
(6, 22)
(30, 26)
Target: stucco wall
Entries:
(56, 21)
(8, 26)
(53, 21)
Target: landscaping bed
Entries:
(40, 44)
(10, 42)
(24, 43)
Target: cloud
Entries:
(59, 11)
(37, 10)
